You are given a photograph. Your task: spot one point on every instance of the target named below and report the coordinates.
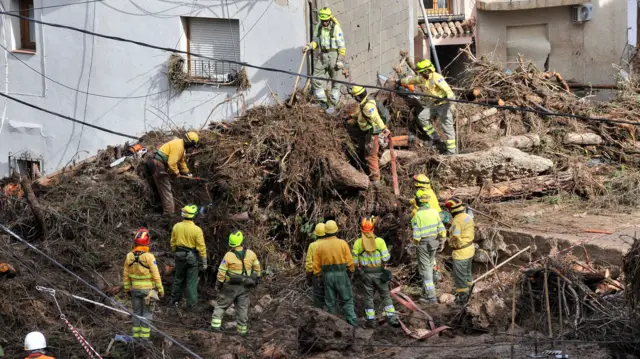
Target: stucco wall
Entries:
(375, 31)
(580, 52)
(272, 34)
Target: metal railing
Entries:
(219, 72)
(438, 7)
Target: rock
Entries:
(272, 352)
(323, 332)
(524, 142)
(265, 301)
(230, 325)
(258, 309)
(447, 298)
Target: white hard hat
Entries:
(34, 341)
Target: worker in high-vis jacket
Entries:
(35, 345)
(422, 182)
(238, 273)
(429, 237)
(438, 105)
(187, 242)
(168, 161)
(142, 281)
(333, 265)
(461, 235)
(317, 290)
(328, 39)
(370, 255)
(370, 122)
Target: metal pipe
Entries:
(433, 47)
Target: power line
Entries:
(113, 301)
(69, 118)
(74, 89)
(270, 69)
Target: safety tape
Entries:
(85, 344)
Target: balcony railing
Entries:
(218, 72)
(440, 10)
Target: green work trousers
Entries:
(238, 295)
(317, 292)
(141, 309)
(462, 277)
(443, 112)
(337, 284)
(185, 274)
(426, 252)
(325, 66)
(373, 282)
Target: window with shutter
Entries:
(216, 38)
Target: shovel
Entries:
(295, 85)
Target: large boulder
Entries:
(323, 332)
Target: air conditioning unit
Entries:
(581, 13)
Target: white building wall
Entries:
(272, 34)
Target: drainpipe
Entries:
(433, 47)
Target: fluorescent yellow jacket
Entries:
(433, 201)
(332, 254)
(329, 38)
(188, 235)
(427, 225)
(368, 117)
(174, 152)
(231, 264)
(143, 273)
(435, 85)
(461, 236)
(376, 258)
(308, 263)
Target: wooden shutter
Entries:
(217, 38)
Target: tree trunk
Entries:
(582, 139)
(479, 116)
(33, 203)
(400, 155)
(524, 142)
(345, 175)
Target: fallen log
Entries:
(516, 188)
(524, 142)
(478, 116)
(400, 156)
(25, 182)
(47, 180)
(345, 175)
(582, 139)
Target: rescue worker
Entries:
(370, 255)
(461, 235)
(371, 123)
(35, 344)
(169, 160)
(238, 273)
(333, 265)
(6, 270)
(142, 281)
(329, 40)
(187, 242)
(429, 237)
(316, 287)
(422, 182)
(434, 84)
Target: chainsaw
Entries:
(135, 150)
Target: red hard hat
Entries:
(142, 237)
(367, 224)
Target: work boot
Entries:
(371, 324)
(329, 110)
(428, 301)
(216, 329)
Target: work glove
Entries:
(161, 292)
(441, 102)
(339, 65)
(385, 133)
(307, 47)
(189, 175)
(203, 265)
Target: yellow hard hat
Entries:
(192, 138)
(424, 65)
(422, 197)
(189, 211)
(421, 180)
(357, 90)
(324, 14)
(235, 239)
(319, 231)
(331, 227)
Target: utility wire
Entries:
(270, 69)
(69, 118)
(113, 301)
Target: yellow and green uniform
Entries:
(187, 242)
(331, 261)
(172, 154)
(427, 231)
(330, 42)
(436, 86)
(461, 235)
(433, 201)
(316, 287)
(140, 275)
(237, 265)
(370, 253)
(370, 122)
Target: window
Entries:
(438, 7)
(27, 28)
(217, 38)
(25, 164)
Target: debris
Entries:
(582, 139)
(33, 203)
(478, 116)
(500, 265)
(345, 175)
(401, 155)
(446, 298)
(272, 352)
(322, 331)
(523, 142)
(265, 301)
